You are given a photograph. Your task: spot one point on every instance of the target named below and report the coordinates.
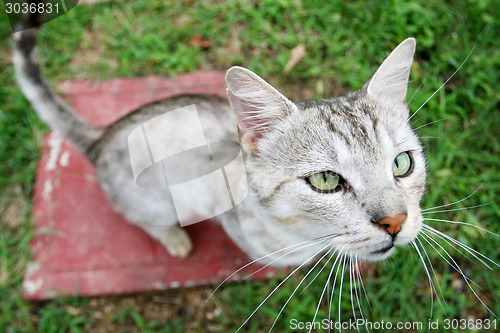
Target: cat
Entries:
(345, 173)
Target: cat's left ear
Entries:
(390, 82)
(257, 105)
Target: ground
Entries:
(344, 43)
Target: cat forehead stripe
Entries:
(350, 120)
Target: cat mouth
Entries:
(384, 249)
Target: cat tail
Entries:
(49, 106)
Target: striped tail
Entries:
(49, 106)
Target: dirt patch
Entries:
(297, 90)
(13, 207)
(5, 57)
(183, 310)
(232, 48)
(90, 53)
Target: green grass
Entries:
(345, 43)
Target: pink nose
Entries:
(392, 224)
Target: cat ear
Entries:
(390, 82)
(257, 105)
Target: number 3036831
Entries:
(470, 324)
(25, 8)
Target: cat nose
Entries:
(392, 224)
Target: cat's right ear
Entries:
(257, 105)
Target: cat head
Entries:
(349, 169)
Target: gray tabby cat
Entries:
(344, 173)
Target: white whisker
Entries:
(303, 279)
(328, 290)
(279, 285)
(457, 209)
(441, 87)
(428, 124)
(352, 281)
(350, 288)
(464, 223)
(439, 291)
(263, 257)
(357, 282)
(416, 91)
(340, 289)
(314, 278)
(453, 203)
(431, 284)
(333, 289)
(456, 266)
(358, 270)
(324, 289)
(467, 248)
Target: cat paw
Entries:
(177, 242)
(174, 239)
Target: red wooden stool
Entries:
(81, 245)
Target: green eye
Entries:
(402, 165)
(324, 181)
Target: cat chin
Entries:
(378, 255)
(402, 241)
